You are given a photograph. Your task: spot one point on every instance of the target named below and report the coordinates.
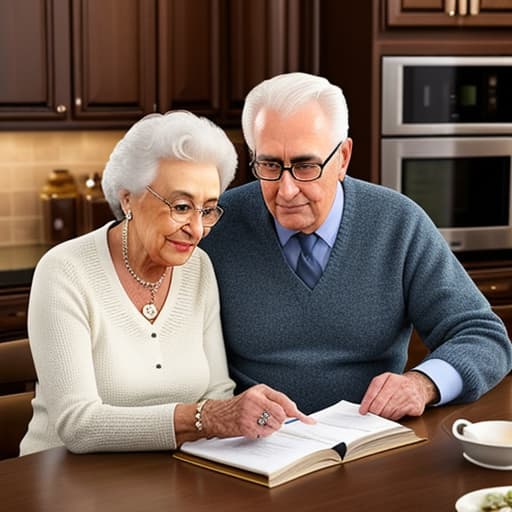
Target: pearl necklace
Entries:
(149, 310)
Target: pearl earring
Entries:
(128, 215)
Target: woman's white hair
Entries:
(176, 135)
(289, 92)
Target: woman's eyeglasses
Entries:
(182, 210)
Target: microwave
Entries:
(425, 95)
(463, 183)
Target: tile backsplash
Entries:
(26, 159)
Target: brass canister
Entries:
(59, 197)
(95, 209)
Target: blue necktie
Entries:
(308, 267)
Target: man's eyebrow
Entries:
(295, 159)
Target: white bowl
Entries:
(471, 501)
(485, 443)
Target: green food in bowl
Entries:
(497, 501)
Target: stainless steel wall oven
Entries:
(447, 144)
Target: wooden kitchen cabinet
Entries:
(68, 61)
(496, 285)
(505, 313)
(106, 63)
(34, 60)
(449, 13)
(13, 312)
(266, 38)
(114, 59)
(190, 55)
(212, 52)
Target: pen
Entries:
(290, 420)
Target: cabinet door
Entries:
(505, 313)
(496, 285)
(488, 6)
(418, 5)
(469, 13)
(114, 58)
(13, 313)
(189, 56)
(266, 38)
(422, 13)
(34, 59)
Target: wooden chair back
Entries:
(17, 382)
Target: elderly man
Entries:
(322, 276)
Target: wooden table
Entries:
(426, 477)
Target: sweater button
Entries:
(153, 334)
(159, 366)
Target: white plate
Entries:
(471, 501)
(484, 465)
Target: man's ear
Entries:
(346, 153)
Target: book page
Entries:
(265, 456)
(341, 422)
(336, 424)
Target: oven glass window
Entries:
(457, 94)
(460, 192)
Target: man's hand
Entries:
(393, 396)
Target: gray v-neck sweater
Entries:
(389, 268)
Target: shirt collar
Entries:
(328, 230)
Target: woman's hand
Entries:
(257, 412)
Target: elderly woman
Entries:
(124, 322)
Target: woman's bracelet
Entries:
(199, 420)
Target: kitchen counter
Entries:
(17, 264)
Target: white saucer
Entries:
(484, 465)
(471, 501)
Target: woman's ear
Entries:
(124, 201)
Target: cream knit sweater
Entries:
(109, 380)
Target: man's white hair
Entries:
(289, 92)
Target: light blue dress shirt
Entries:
(444, 375)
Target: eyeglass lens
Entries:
(301, 171)
(182, 211)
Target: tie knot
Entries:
(307, 242)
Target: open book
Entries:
(340, 435)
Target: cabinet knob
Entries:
(61, 109)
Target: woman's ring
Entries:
(263, 419)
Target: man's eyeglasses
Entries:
(270, 170)
(182, 210)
